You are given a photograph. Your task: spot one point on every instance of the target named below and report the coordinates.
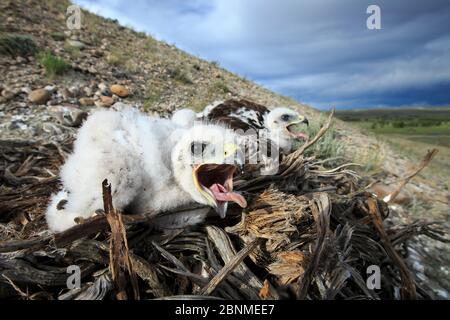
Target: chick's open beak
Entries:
(215, 181)
(293, 128)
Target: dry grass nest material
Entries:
(309, 232)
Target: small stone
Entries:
(87, 91)
(39, 96)
(97, 53)
(50, 88)
(65, 93)
(107, 101)
(86, 101)
(76, 44)
(74, 91)
(20, 60)
(26, 90)
(54, 102)
(119, 90)
(68, 115)
(102, 86)
(8, 94)
(104, 91)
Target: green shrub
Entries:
(17, 45)
(398, 124)
(53, 65)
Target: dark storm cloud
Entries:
(319, 52)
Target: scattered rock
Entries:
(77, 44)
(88, 91)
(105, 102)
(54, 102)
(39, 96)
(68, 115)
(102, 86)
(103, 90)
(86, 101)
(20, 60)
(74, 91)
(119, 74)
(92, 70)
(25, 90)
(119, 90)
(50, 88)
(8, 94)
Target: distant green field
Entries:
(406, 114)
(431, 126)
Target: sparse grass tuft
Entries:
(58, 36)
(198, 104)
(116, 58)
(74, 52)
(151, 99)
(328, 146)
(17, 45)
(221, 87)
(141, 34)
(179, 75)
(53, 65)
(371, 160)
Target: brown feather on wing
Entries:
(229, 111)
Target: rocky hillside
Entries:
(158, 76)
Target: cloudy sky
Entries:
(319, 52)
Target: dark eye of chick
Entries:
(198, 148)
(285, 117)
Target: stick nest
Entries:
(309, 232)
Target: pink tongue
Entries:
(221, 194)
